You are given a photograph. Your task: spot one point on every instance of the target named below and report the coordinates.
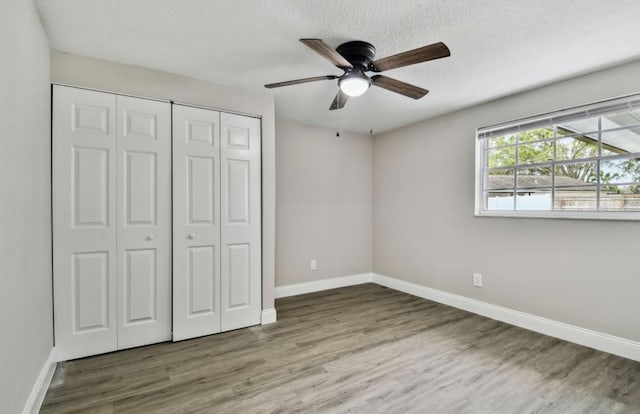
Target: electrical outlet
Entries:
(477, 279)
(314, 264)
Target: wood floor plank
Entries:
(361, 349)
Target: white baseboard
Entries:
(268, 316)
(592, 339)
(323, 284)
(40, 387)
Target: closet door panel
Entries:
(90, 186)
(239, 277)
(84, 221)
(202, 293)
(241, 270)
(144, 221)
(196, 218)
(140, 286)
(90, 288)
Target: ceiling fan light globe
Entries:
(354, 86)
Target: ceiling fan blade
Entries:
(339, 101)
(421, 54)
(297, 81)
(397, 86)
(321, 48)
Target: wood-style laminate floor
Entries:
(362, 349)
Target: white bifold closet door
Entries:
(111, 218)
(144, 221)
(241, 202)
(217, 275)
(196, 222)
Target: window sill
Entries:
(573, 215)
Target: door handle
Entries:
(191, 236)
(150, 237)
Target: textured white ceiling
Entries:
(498, 47)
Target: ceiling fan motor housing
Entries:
(358, 53)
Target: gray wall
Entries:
(25, 203)
(134, 80)
(324, 203)
(581, 272)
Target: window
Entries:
(582, 162)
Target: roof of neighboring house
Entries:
(533, 181)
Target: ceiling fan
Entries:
(355, 58)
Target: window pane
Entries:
(575, 174)
(622, 118)
(535, 153)
(535, 177)
(624, 170)
(621, 141)
(575, 148)
(575, 199)
(501, 140)
(501, 157)
(620, 198)
(497, 200)
(609, 189)
(579, 126)
(499, 180)
(535, 134)
(537, 199)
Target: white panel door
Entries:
(144, 221)
(84, 221)
(241, 270)
(196, 218)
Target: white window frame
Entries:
(546, 120)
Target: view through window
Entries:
(585, 159)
